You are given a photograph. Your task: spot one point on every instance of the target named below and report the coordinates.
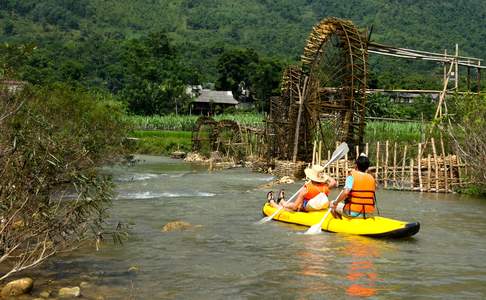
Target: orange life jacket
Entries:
(314, 188)
(362, 196)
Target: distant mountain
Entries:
(203, 28)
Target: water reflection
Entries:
(339, 264)
(361, 271)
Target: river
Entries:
(227, 256)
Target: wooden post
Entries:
(328, 166)
(395, 165)
(479, 79)
(403, 164)
(459, 169)
(446, 183)
(456, 69)
(411, 174)
(377, 161)
(429, 169)
(385, 165)
(451, 169)
(299, 114)
(337, 172)
(357, 151)
(419, 165)
(314, 154)
(345, 165)
(436, 165)
(366, 149)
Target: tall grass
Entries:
(401, 132)
(186, 123)
(395, 131)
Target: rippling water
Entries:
(229, 257)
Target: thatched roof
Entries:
(218, 97)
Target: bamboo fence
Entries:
(400, 167)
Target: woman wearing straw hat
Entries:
(313, 195)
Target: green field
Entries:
(161, 142)
(165, 134)
(187, 122)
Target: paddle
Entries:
(337, 154)
(316, 228)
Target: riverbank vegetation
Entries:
(467, 130)
(52, 197)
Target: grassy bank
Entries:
(161, 142)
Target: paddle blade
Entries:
(314, 229)
(340, 151)
(265, 220)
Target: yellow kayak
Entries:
(376, 226)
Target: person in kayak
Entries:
(313, 195)
(358, 196)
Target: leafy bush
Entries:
(52, 141)
(468, 131)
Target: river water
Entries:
(227, 256)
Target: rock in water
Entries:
(176, 225)
(17, 287)
(68, 292)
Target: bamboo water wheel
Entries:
(230, 139)
(224, 136)
(325, 96)
(204, 135)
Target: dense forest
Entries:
(149, 49)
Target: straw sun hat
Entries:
(316, 173)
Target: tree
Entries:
(234, 67)
(265, 82)
(53, 139)
(154, 79)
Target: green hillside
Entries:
(84, 36)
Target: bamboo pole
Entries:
(446, 183)
(313, 154)
(299, 114)
(411, 174)
(345, 165)
(403, 165)
(459, 169)
(451, 169)
(429, 169)
(377, 160)
(436, 165)
(395, 165)
(385, 165)
(337, 172)
(419, 165)
(320, 152)
(328, 159)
